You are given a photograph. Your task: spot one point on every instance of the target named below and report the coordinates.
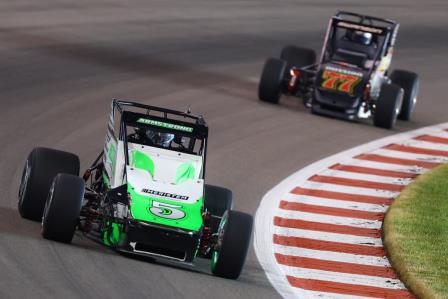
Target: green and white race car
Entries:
(145, 193)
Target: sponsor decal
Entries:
(165, 125)
(165, 194)
(360, 27)
(340, 79)
(343, 71)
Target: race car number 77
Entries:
(338, 81)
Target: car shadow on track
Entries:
(296, 105)
(11, 223)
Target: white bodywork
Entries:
(166, 163)
(379, 76)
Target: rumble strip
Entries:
(318, 233)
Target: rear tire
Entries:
(297, 57)
(409, 81)
(233, 242)
(388, 106)
(62, 208)
(271, 82)
(41, 166)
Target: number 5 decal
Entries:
(165, 210)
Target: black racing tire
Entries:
(217, 200)
(234, 237)
(409, 81)
(41, 166)
(388, 106)
(62, 208)
(271, 81)
(297, 57)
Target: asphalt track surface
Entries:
(61, 62)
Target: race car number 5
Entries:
(165, 210)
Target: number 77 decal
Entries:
(340, 82)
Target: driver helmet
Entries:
(160, 139)
(363, 38)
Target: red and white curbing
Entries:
(318, 233)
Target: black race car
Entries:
(351, 80)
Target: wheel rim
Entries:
(218, 245)
(215, 256)
(24, 182)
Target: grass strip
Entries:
(416, 234)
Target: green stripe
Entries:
(165, 125)
(184, 173)
(142, 161)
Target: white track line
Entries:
(365, 177)
(320, 210)
(354, 222)
(334, 203)
(364, 280)
(410, 156)
(384, 166)
(426, 145)
(442, 134)
(332, 256)
(346, 189)
(330, 237)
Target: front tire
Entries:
(388, 106)
(62, 208)
(217, 200)
(230, 252)
(409, 81)
(271, 82)
(41, 166)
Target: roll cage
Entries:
(384, 32)
(163, 120)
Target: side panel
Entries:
(110, 152)
(119, 170)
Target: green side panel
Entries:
(184, 172)
(182, 215)
(112, 156)
(106, 180)
(143, 161)
(114, 236)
